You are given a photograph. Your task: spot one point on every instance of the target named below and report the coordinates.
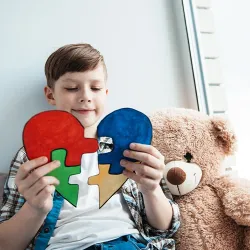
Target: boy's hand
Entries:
(149, 172)
(37, 188)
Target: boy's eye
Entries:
(71, 89)
(96, 89)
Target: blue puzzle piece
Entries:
(124, 126)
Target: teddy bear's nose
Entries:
(176, 176)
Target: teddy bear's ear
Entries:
(224, 135)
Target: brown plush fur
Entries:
(216, 215)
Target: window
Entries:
(220, 54)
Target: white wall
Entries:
(143, 41)
(231, 20)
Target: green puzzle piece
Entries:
(63, 173)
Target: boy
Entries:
(139, 216)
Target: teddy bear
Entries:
(214, 207)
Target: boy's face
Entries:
(83, 94)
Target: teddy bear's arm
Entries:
(235, 196)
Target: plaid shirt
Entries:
(157, 239)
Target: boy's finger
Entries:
(142, 170)
(44, 195)
(29, 166)
(143, 157)
(146, 149)
(140, 179)
(40, 172)
(40, 185)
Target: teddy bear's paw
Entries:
(237, 206)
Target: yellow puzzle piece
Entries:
(108, 183)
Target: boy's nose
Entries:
(85, 96)
(82, 100)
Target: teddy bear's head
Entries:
(194, 146)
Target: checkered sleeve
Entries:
(12, 199)
(175, 224)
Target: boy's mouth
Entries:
(83, 111)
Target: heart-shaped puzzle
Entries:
(58, 135)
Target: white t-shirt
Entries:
(86, 224)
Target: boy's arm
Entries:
(160, 212)
(158, 209)
(161, 207)
(18, 231)
(20, 221)
(12, 224)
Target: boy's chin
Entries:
(88, 125)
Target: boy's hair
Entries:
(72, 58)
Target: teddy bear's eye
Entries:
(188, 157)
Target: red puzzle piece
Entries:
(51, 130)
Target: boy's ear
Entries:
(107, 91)
(49, 95)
